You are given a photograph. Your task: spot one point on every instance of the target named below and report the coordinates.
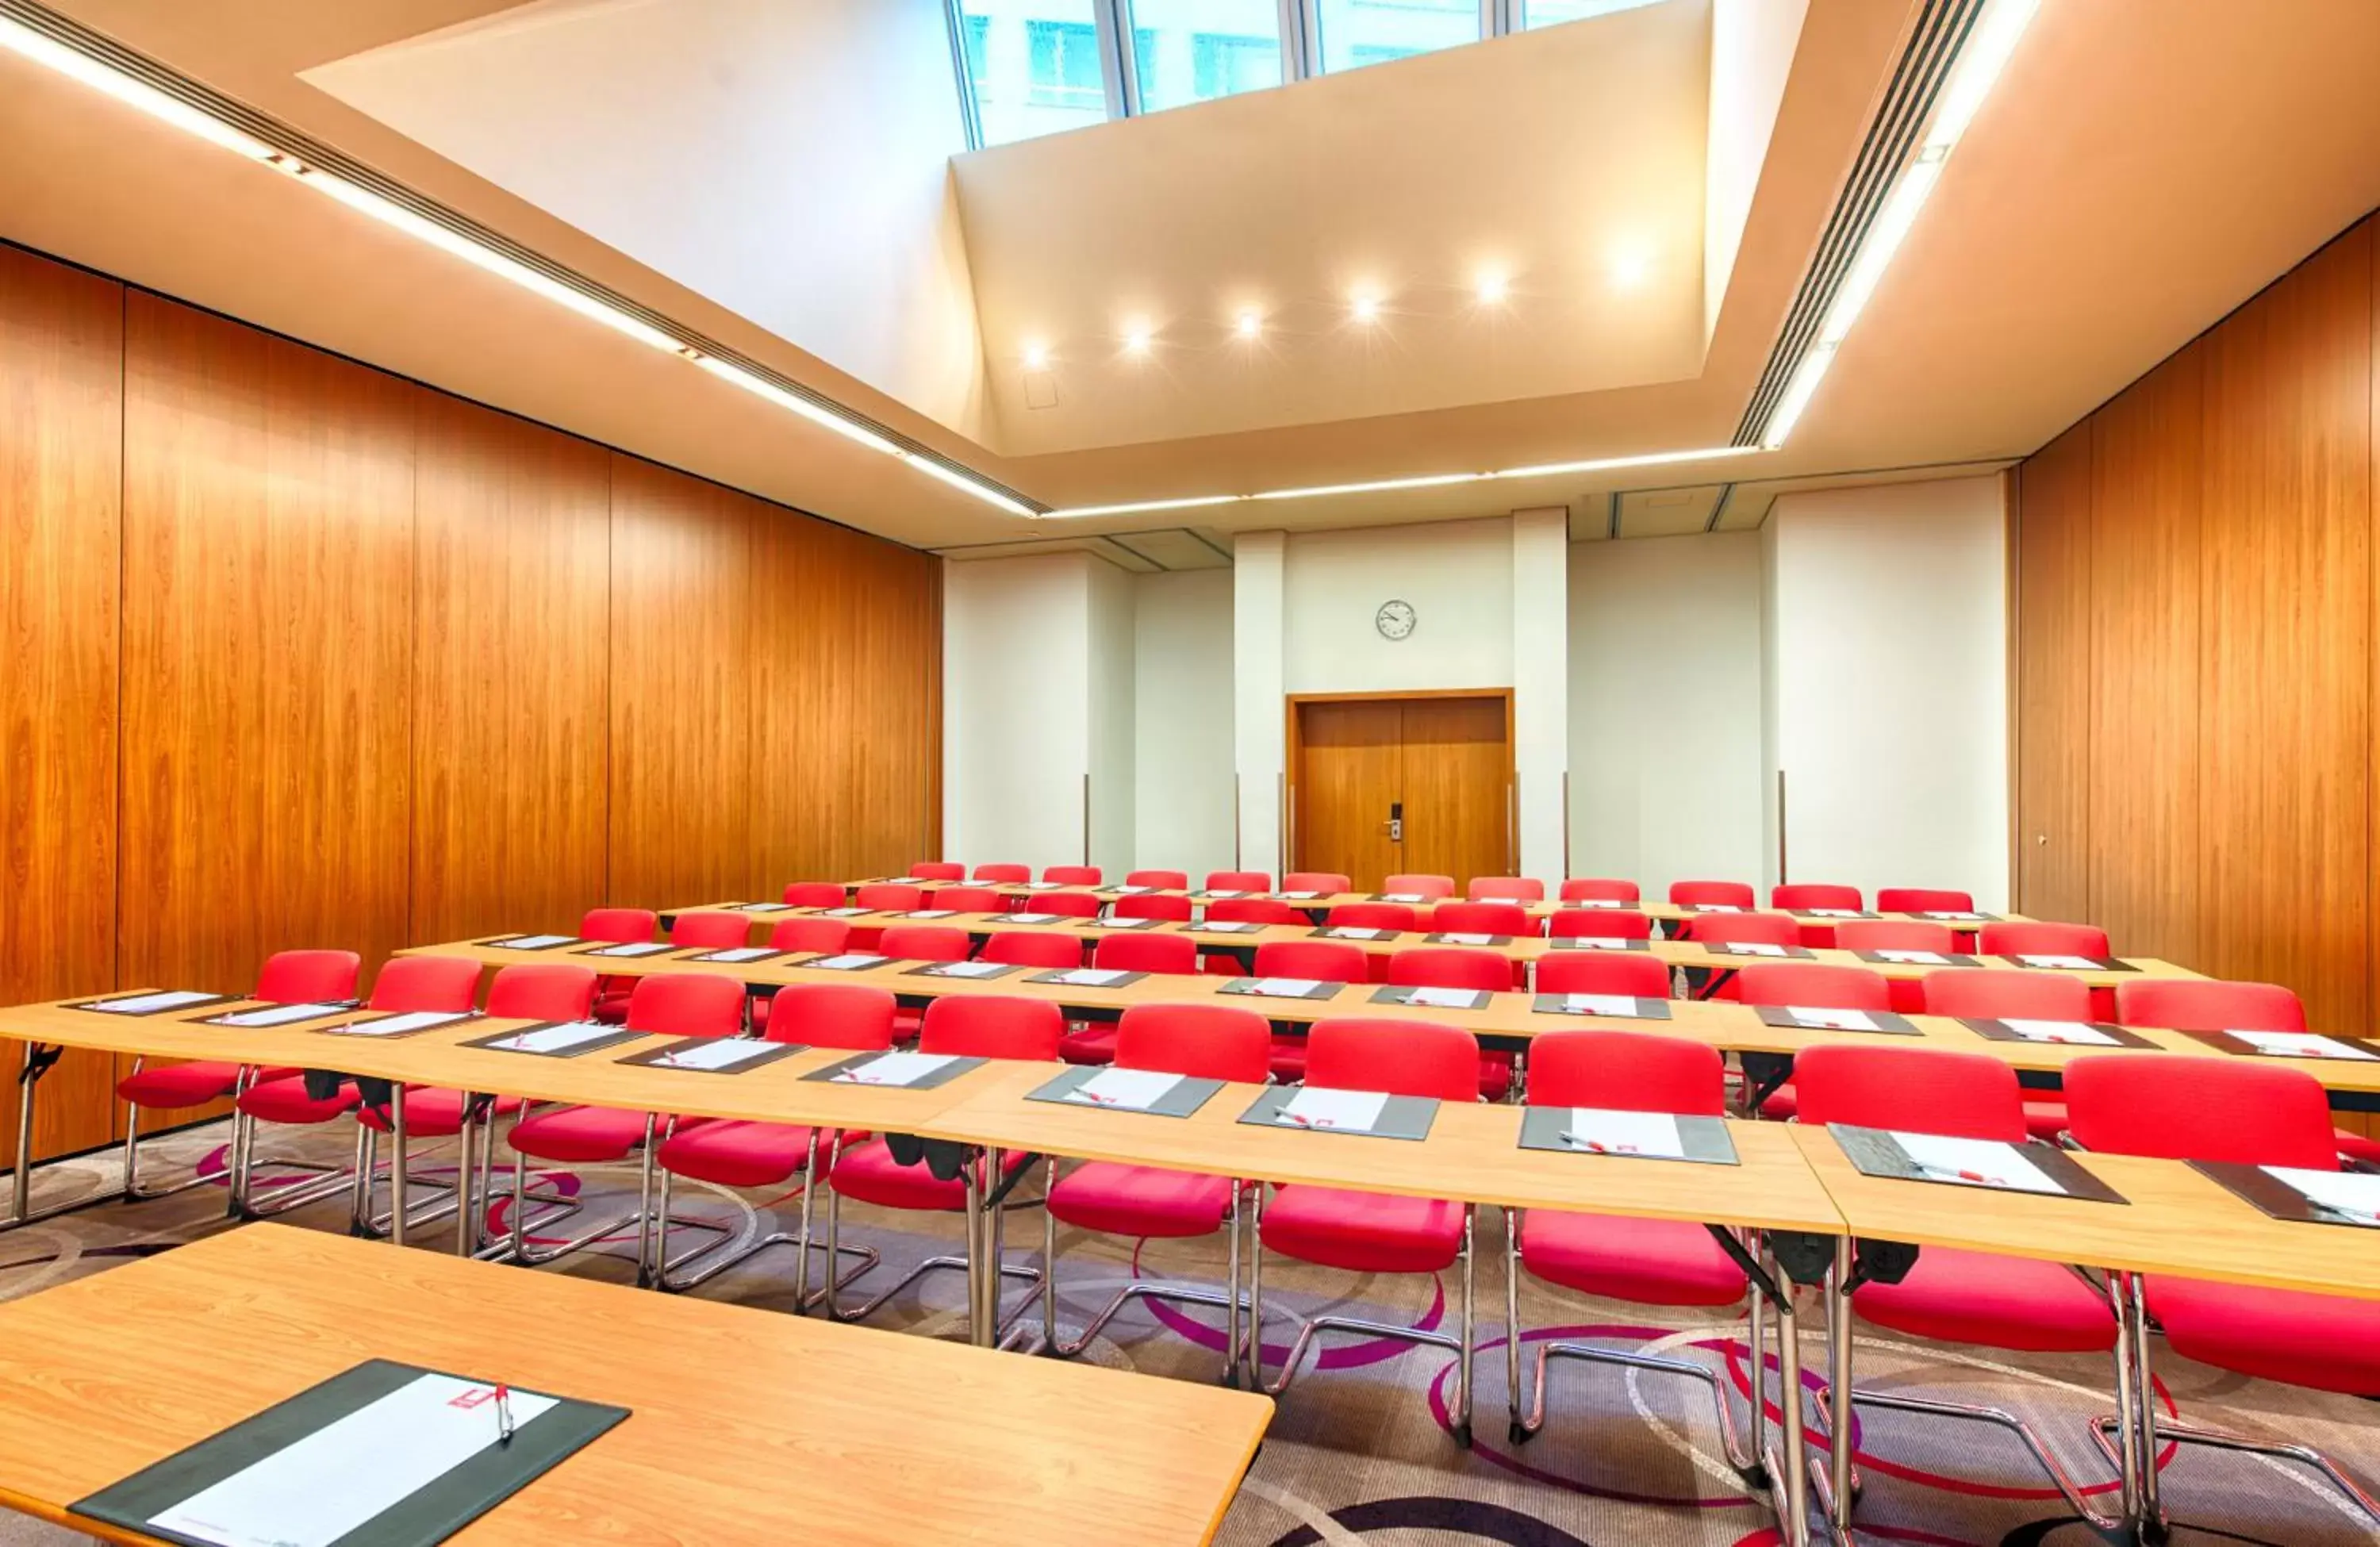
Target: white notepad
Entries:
(844, 912)
(967, 969)
(1913, 958)
(2080, 1032)
(1350, 932)
(1600, 1130)
(536, 941)
(1229, 926)
(1090, 977)
(1134, 1090)
(1595, 902)
(397, 1026)
(2351, 1193)
(147, 1004)
(1974, 1162)
(1403, 896)
(1466, 939)
(848, 961)
(1718, 907)
(931, 913)
(1222, 895)
(1300, 895)
(740, 953)
(1832, 912)
(1601, 1005)
(1948, 913)
(1832, 1020)
(634, 948)
(1030, 917)
(1752, 948)
(719, 1053)
(1442, 998)
(1134, 891)
(322, 1487)
(280, 1015)
(896, 1068)
(1358, 1110)
(1600, 941)
(2059, 963)
(1285, 988)
(555, 1039)
(2300, 1045)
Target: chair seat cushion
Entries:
(611, 996)
(1783, 1105)
(870, 1175)
(432, 1113)
(1097, 1045)
(1999, 1302)
(1140, 1200)
(285, 1100)
(2326, 1342)
(184, 1084)
(1288, 1060)
(2045, 1118)
(579, 1134)
(1495, 1076)
(739, 1154)
(1648, 1262)
(2356, 1146)
(1363, 1232)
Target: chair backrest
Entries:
(542, 991)
(1481, 917)
(1750, 929)
(1988, 994)
(926, 942)
(2211, 1109)
(1453, 966)
(1819, 985)
(1801, 896)
(1400, 1057)
(1896, 934)
(1153, 905)
(309, 977)
(1599, 923)
(1205, 1041)
(1963, 1095)
(990, 1025)
(1923, 900)
(1034, 948)
(1324, 961)
(1239, 881)
(1071, 875)
(1376, 916)
(688, 1004)
(827, 935)
(426, 983)
(889, 896)
(967, 899)
(1504, 888)
(1729, 894)
(833, 1015)
(815, 894)
(1640, 977)
(1145, 952)
(628, 926)
(1588, 888)
(1066, 905)
(1177, 880)
(2039, 937)
(1329, 883)
(1253, 910)
(1429, 888)
(1006, 875)
(1627, 1071)
(712, 931)
(2203, 1005)
(937, 869)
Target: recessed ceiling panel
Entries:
(1667, 512)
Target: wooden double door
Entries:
(1403, 785)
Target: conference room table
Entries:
(746, 1425)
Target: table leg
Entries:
(2149, 1523)
(971, 1178)
(467, 1140)
(1757, 1336)
(1839, 1387)
(21, 1189)
(1796, 1526)
(396, 1166)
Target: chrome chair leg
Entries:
(1138, 1288)
(982, 1251)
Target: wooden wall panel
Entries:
(2052, 687)
(681, 667)
(511, 676)
(2146, 747)
(61, 481)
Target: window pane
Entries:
(1358, 33)
(1195, 50)
(1548, 13)
(1033, 66)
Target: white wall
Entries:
(1457, 575)
(1016, 697)
(1259, 731)
(1889, 609)
(1665, 708)
(1182, 767)
(1540, 683)
(1109, 645)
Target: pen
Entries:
(1596, 1146)
(1946, 1173)
(504, 1414)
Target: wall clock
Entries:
(1395, 619)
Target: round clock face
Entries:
(1395, 619)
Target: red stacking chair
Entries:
(1481, 917)
(1949, 1296)
(824, 937)
(1205, 1041)
(1071, 875)
(1067, 905)
(2243, 1113)
(1174, 880)
(406, 984)
(1599, 923)
(1504, 888)
(1984, 994)
(1811, 985)
(1460, 966)
(1429, 888)
(1331, 884)
(1401, 917)
(815, 894)
(989, 1027)
(965, 899)
(1596, 972)
(1239, 881)
(2197, 1004)
(1897, 934)
(937, 869)
(925, 942)
(1595, 889)
(1320, 961)
(756, 1154)
(889, 896)
(1645, 1261)
(712, 932)
(1923, 900)
(1712, 893)
(1153, 905)
(1253, 910)
(286, 978)
(1004, 875)
(1033, 948)
(1715, 929)
(669, 1005)
(1371, 1232)
(1174, 954)
(2017, 941)
(1804, 897)
(622, 926)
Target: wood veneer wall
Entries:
(294, 653)
(2195, 629)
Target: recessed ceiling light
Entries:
(1365, 306)
(1250, 325)
(1630, 264)
(1036, 355)
(1136, 338)
(1493, 286)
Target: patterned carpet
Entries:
(1359, 1450)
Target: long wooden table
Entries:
(747, 1425)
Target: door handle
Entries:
(1397, 821)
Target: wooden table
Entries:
(747, 1425)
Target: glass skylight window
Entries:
(1035, 67)
(1358, 33)
(1552, 12)
(1186, 50)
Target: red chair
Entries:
(986, 1027)
(1401, 917)
(712, 932)
(1370, 1231)
(1812, 985)
(1033, 948)
(1595, 889)
(824, 937)
(1239, 881)
(1645, 1261)
(1329, 883)
(1711, 893)
(1598, 924)
(2011, 938)
(965, 898)
(889, 896)
(1205, 1041)
(937, 869)
(1898, 934)
(1429, 888)
(1176, 881)
(1460, 966)
(1481, 917)
(621, 926)
(2262, 1114)
(1595, 972)
(756, 1154)
(815, 894)
(1923, 900)
(923, 943)
(1504, 888)
(1153, 905)
(1071, 875)
(1984, 994)
(1715, 930)
(1004, 875)
(1949, 1296)
(2188, 1004)
(286, 978)
(1171, 954)
(1319, 961)
(1808, 896)
(1253, 910)
(1067, 905)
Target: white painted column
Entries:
(1259, 736)
(1540, 685)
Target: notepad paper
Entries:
(633, 948)
(1913, 958)
(554, 1039)
(1029, 918)
(965, 970)
(847, 961)
(1467, 938)
(398, 1025)
(740, 953)
(763, 908)
(2059, 963)
(1718, 907)
(1134, 891)
(1229, 926)
(149, 1003)
(1832, 912)
(1349, 932)
(1444, 998)
(1131, 1090)
(1602, 1131)
(1225, 896)
(1599, 943)
(1752, 948)
(844, 912)
(1284, 988)
(2349, 1194)
(1090, 977)
(1831, 1020)
(2300, 1045)
(1974, 1162)
(1352, 1110)
(931, 913)
(279, 1015)
(1595, 902)
(1952, 913)
(534, 942)
(1403, 896)
(2080, 1033)
(1298, 897)
(1600, 1005)
(896, 1068)
(720, 1053)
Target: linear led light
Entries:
(1606, 463)
(23, 40)
(965, 484)
(1375, 487)
(1142, 508)
(1807, 377)
(759, 386)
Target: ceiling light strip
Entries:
(60, 43)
